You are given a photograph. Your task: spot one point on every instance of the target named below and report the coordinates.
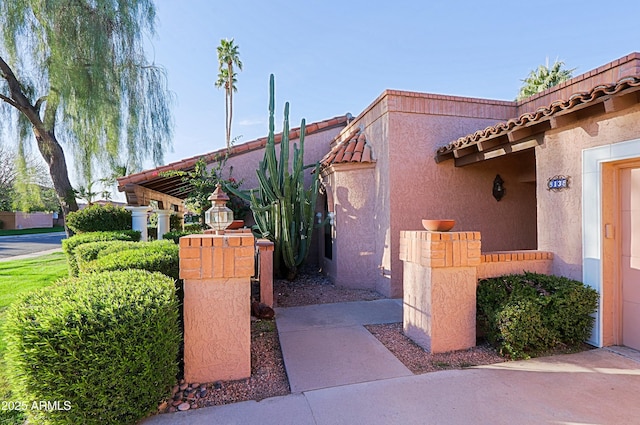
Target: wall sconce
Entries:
(498, 188)
(218, 217)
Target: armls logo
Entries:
(50, 406)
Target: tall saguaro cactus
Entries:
(282, 208)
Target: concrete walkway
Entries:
(339, 375)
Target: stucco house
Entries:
(568, 159)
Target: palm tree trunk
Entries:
(230, 115)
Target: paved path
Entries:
(593, 387)
(327, 345)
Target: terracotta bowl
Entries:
(438, 225)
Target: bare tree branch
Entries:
(9, 101)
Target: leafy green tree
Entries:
(543, 78)
(202, 182)
(228, 57)
(74, 73)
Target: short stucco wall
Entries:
(20, 220)
(494, 264)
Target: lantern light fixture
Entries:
(219, 216)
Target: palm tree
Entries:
(228, 57)
(544, 78)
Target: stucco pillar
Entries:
(265, 251)
(217, 305)
(440, 288)
(139, 220)
(164, 222)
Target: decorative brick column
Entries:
(265, 251)
(217, 305)
(440, 288)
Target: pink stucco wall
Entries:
(354, 246)
(404, 130)
(20, 220)
(559, 213)
(316, 146)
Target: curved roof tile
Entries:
(353, 149)
(541, 113)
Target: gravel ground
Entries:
(268, 375)
(419, 361)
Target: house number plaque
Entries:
(558, 183)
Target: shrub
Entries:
(193, 228)
(88, 252)
(158, 256)
(107, 343)
(99, 218)
(176, 235)
(175, 223)
(532, 313)
(69, 245)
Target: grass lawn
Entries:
(18, 277)
(14, 232)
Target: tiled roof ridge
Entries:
(578, 78)
(352, 148)
(578, 98)
(235, 150)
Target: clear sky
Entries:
(332, 57)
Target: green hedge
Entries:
(531, 313)
(176, 235)
(69, 245)
(99, 218)
(88, 252)
(158, 256)
(105, 346)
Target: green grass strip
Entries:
(15, 232)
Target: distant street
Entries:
(12, 246)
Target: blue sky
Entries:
(332, 57)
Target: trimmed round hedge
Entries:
(159, 256)
(104, 345)
(70, 245)
(531, 313)
(99, 218)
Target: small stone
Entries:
(183, 387)
(176, 402)
(194, 385)
(163, 406)
(172, 409)
(174, 390)
(203, 387)
(217, 385)
(203, 392)
(184, 406)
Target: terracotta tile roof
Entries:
(354, 148)
(173, 185)
(575, 101)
